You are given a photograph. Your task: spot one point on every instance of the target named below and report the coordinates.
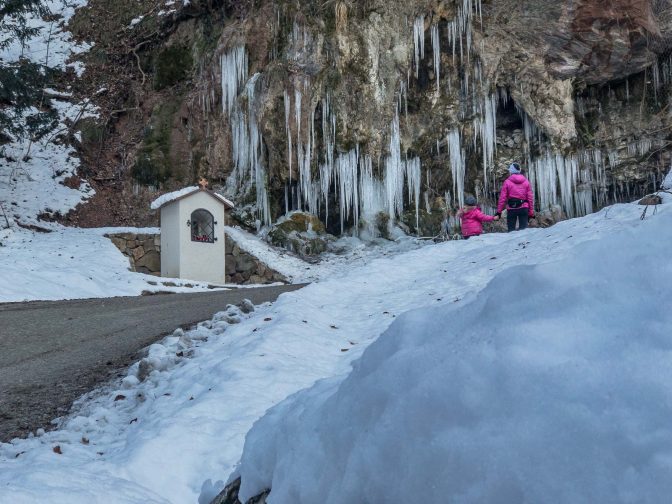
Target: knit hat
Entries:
(514, 168)
(470, 201)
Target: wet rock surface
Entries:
(651, 199)
(230, 495)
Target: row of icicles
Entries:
(572, 183)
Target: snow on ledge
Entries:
(175, 195)
(294, 268)
(667, 183)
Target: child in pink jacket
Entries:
(472, 218)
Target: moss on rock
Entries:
(172, 65)
(302, 233)
(154, 164)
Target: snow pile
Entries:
(234, 378)
(551, 385)
(175, 195)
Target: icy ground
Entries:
(186, 422)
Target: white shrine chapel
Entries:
(192, 234)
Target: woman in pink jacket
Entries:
(472, 218)
(517, 197)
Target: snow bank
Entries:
(73, 263)
(554, 384)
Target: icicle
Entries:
(371, 196)
(596, 174)
(394, 173)
(311, 187)
(543, 176)
(346, 172)
(436, 47)
(299, 144)
(553, 172)
(234, 75)
(404, 93)
(452, 36)
(329, 141)
(288, 107)
(247, 152)
(419, 42)
(413, 171)
(457, 166)
(656, 79)
(584, 194)
(297, 111)
(486, 128)
(614, 158)
(667, 70)
(627, 89)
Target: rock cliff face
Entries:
(359, 110)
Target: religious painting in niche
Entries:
(202, 226)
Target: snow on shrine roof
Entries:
(183, 193)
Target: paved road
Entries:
(51, 352)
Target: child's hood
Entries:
(468, 211)
(517, 178)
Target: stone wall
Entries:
(144, 254)
(143, 251)
(244, 268)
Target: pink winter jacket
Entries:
(516, 186)
(472, 219)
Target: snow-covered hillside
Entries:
(33, 171)
(186, 423)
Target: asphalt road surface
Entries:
(51, 352)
